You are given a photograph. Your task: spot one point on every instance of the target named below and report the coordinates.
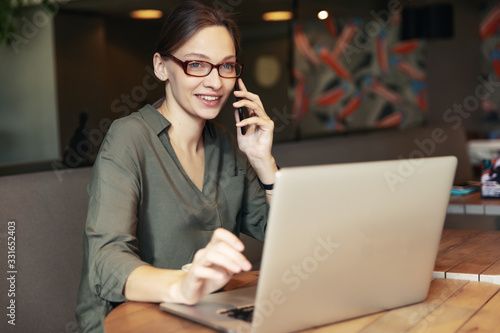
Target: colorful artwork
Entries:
(490, 51)
(354, 74)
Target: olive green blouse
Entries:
(144, 209)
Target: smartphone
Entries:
(241, 112)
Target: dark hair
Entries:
(187, 19)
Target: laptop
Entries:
(342, 241)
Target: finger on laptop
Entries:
(214, 265)
(223, 252)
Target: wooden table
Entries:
(473, 204)
(469, 255)
(452, 305)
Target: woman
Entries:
(169, 186)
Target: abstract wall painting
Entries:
(490, 52)
(354, 75)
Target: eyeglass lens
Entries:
(200, 68)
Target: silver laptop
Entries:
(342, 241)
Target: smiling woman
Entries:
(195, 81)
(171, 187)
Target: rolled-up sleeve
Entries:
(114, 194)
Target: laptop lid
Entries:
(344, 241)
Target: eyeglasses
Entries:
(198, 68)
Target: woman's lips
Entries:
(209, 100)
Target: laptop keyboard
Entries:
(244, 313)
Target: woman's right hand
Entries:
(213, 266)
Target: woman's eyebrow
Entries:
(196, 55)
(232, 57)
(204, 57)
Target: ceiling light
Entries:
(322, 15)
(277, 16)
(146, 14)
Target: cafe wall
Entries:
(29, 128)
(100, 66)
(104, 68)
(356, 72)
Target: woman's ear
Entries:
(159, 67)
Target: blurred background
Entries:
(327, 68)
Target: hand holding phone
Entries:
(241, 113)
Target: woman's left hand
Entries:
(258, 139)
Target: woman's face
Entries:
(201, 97)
